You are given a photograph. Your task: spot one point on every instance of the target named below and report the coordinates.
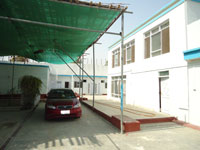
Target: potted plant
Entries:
(30, 87)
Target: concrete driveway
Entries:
(91, 132)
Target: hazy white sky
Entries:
(142, 9)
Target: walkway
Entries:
(109, 109)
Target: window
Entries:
(102, 81)
(129, 52)
(116, 58)
(78, 84)
(61, 94)
(157, 41)
(66, 84)
(116, 86)
(164, 74)
(84, 80)
(106, 85)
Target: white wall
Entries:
(100, 70)
(193, 26)
(87, 89)
(6, 72)
(143, 75)
(64, 74)
(194, 92)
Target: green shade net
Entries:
(41, 43)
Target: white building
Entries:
(52, 76)
(10, 73)
(156, 75)
(67, 79)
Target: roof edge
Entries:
(91, 4)
(161, 12)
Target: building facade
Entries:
(52, 76)
(67, 79)
(156, 75)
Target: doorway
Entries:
(67, 85)
(194, 88)
(164, 97)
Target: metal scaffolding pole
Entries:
(93, 76)
(122, 61)
(54, 25)
(80, 80)
(67, 65)
(82, 74)
(74, 61)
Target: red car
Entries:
(62, 103)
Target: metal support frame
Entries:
(74, 61)
(55, 25)
(122, 61)
(80, 80)
(95, 6)
(83, 29)
(68, 65)
(82, 75)
(93, 75)
(13, 73)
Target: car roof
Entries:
(63, 89)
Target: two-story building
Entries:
(156, 73)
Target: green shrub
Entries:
(30, 87)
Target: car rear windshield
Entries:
(61, 94)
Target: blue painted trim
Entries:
(192, 54)
(196, 1)
(81, 76)
(44, 66)
(141, 26)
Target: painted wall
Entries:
(193, 24)
(64, 74)
(194, 91)
(6, 74)
(87, 86)
(143, 75)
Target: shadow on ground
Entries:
(38, 133)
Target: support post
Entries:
(80, 79)
(122, 61)
(67, 65)
(74, 61)
(93, 76)
(82, 73)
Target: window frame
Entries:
(78, 84)
(116, 60)
(116, 86)
(151, 33)
(129, 46)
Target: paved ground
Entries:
(91, 132)
(10, 119)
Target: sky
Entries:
(142, 9)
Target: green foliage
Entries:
(30, 87)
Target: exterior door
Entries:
(66, 84)
(194, 87)
(90, 88)
(164, 94)
(59, 84)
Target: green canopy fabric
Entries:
(41, 43)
